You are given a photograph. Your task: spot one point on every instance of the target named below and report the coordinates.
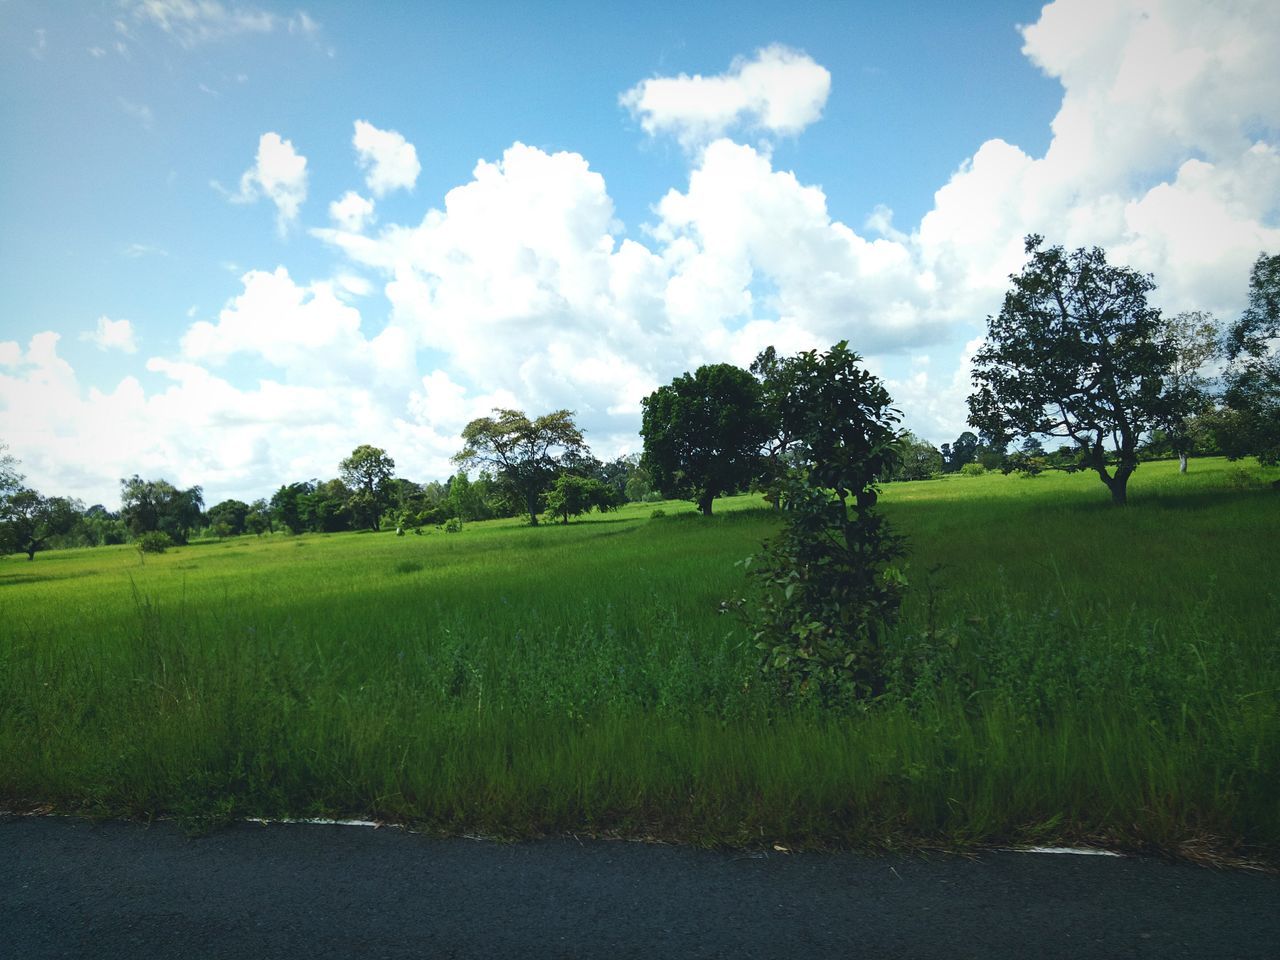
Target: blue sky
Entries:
(568, 207)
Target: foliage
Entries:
(972, 470)
(286, 505)
(571, 496)
(230, 515)
(369, 474)
(1253, 377)
(827, 590)
(150, 505)
(453, 525)
(963, 450)
(1076, 352)
(703, 433)
(1193, 339)
(526, 454)
(28, 520)
(154, 541)
(917, 459)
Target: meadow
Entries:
(1064, 672)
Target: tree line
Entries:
(1076, 353)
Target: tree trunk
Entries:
(531, 502)
(704, 504)
(1182, 463)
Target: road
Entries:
(73, 888)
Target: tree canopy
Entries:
(369, 474)
(157, 505)
(703, 433)
(526, 455)
(1253, 377)
(1075, 352)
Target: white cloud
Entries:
(520, 289)
(391, 161)
(779, 91)
(112, 335)
(192, 22)
(352, 212)
(280, 173)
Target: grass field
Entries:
(1064, 672)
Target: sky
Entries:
(238, 240)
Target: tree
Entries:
(286, 505)
(572, 495)
(258, 520)
(1253, 377)
(229, 515)
(1075, 352)
(963, 450)
(703, 433)
(917, 459)
(28, 520)
(828, 590)
(368, 473)
(1193, 338)
(527, 454)
(327, 508)
(151, 505)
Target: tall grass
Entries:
(1064, 671)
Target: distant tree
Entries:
(28, 520)
(259, 520)
(1075, 352)
(917, 459)
(1253, 376)
(703, 433)
(368, 473)
(157, 505)
(287, 505)
(327, 508)
(1194, 341)
(526, 454)
(572, 495)
(963, 450)
(230, 516)
(101, 527)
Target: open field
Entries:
(1065, 671)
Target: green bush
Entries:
(453, 525)
(154, 542)
(658, 514)
(972, 470)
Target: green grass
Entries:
(1064, 672)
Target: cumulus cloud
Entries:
(521, 289)
(352, 212)
(279, 173)
(390, 161)
(778, 91)
(112, 335)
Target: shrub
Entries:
(658, 514)
(453, 525)
(154, 542)
(972, 470)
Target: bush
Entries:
(972, 470)
(658, 514)
(453, 525)
(154, 542)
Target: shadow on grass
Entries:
(13, 579)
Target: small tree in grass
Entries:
(571, 496)
(827, 586)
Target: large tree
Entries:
(1075, 352)
(703, 433)
(1253, 377)
(369, 473)
(28, 520)
(151, 505)
(525, 454)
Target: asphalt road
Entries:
(71, 888)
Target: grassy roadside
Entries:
(1065, 672)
